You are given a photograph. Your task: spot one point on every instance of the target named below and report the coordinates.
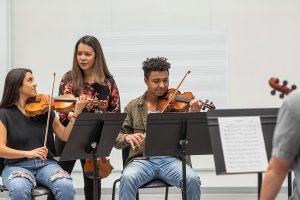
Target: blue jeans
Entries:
(20, 178)
(168, 169)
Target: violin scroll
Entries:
(208, 105)
(283, 88)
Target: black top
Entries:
(25, 133)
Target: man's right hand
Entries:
(135, 140)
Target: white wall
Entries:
(263, 41)
(263, 35)
(4, 40)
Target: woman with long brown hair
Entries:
(89, 76)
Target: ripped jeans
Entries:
(20, 178)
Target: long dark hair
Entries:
(100, 69)
(13, 82)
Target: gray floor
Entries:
(158, 194)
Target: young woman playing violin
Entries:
(28, 155)
(140, 169)
(89, 76)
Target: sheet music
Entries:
(243, 144)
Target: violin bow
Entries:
(177, 88)
(49, 112)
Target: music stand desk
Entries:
(268, 117)
(177, 134)
(99, 130)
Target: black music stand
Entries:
(268, 118)
(179, 134)
(92, 136)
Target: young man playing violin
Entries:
(27, 160)
(140, 169)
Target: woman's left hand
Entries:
(195, 105)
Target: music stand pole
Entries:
(95, 172)
(259, 178)
(183, 143)
(92, 148)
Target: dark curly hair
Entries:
(155, 64)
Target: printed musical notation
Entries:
(243, 144)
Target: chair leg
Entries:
(167, 193)
(114, 189)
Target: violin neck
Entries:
(204, 104)
(65, 99)
(73, 99)
(182, 99)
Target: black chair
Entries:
(156, 183)
(36, 192)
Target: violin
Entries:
(64, 103)
(179, 102)
(104, 167)
(283, 88)
(174, 101)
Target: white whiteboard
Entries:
(204, 53)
